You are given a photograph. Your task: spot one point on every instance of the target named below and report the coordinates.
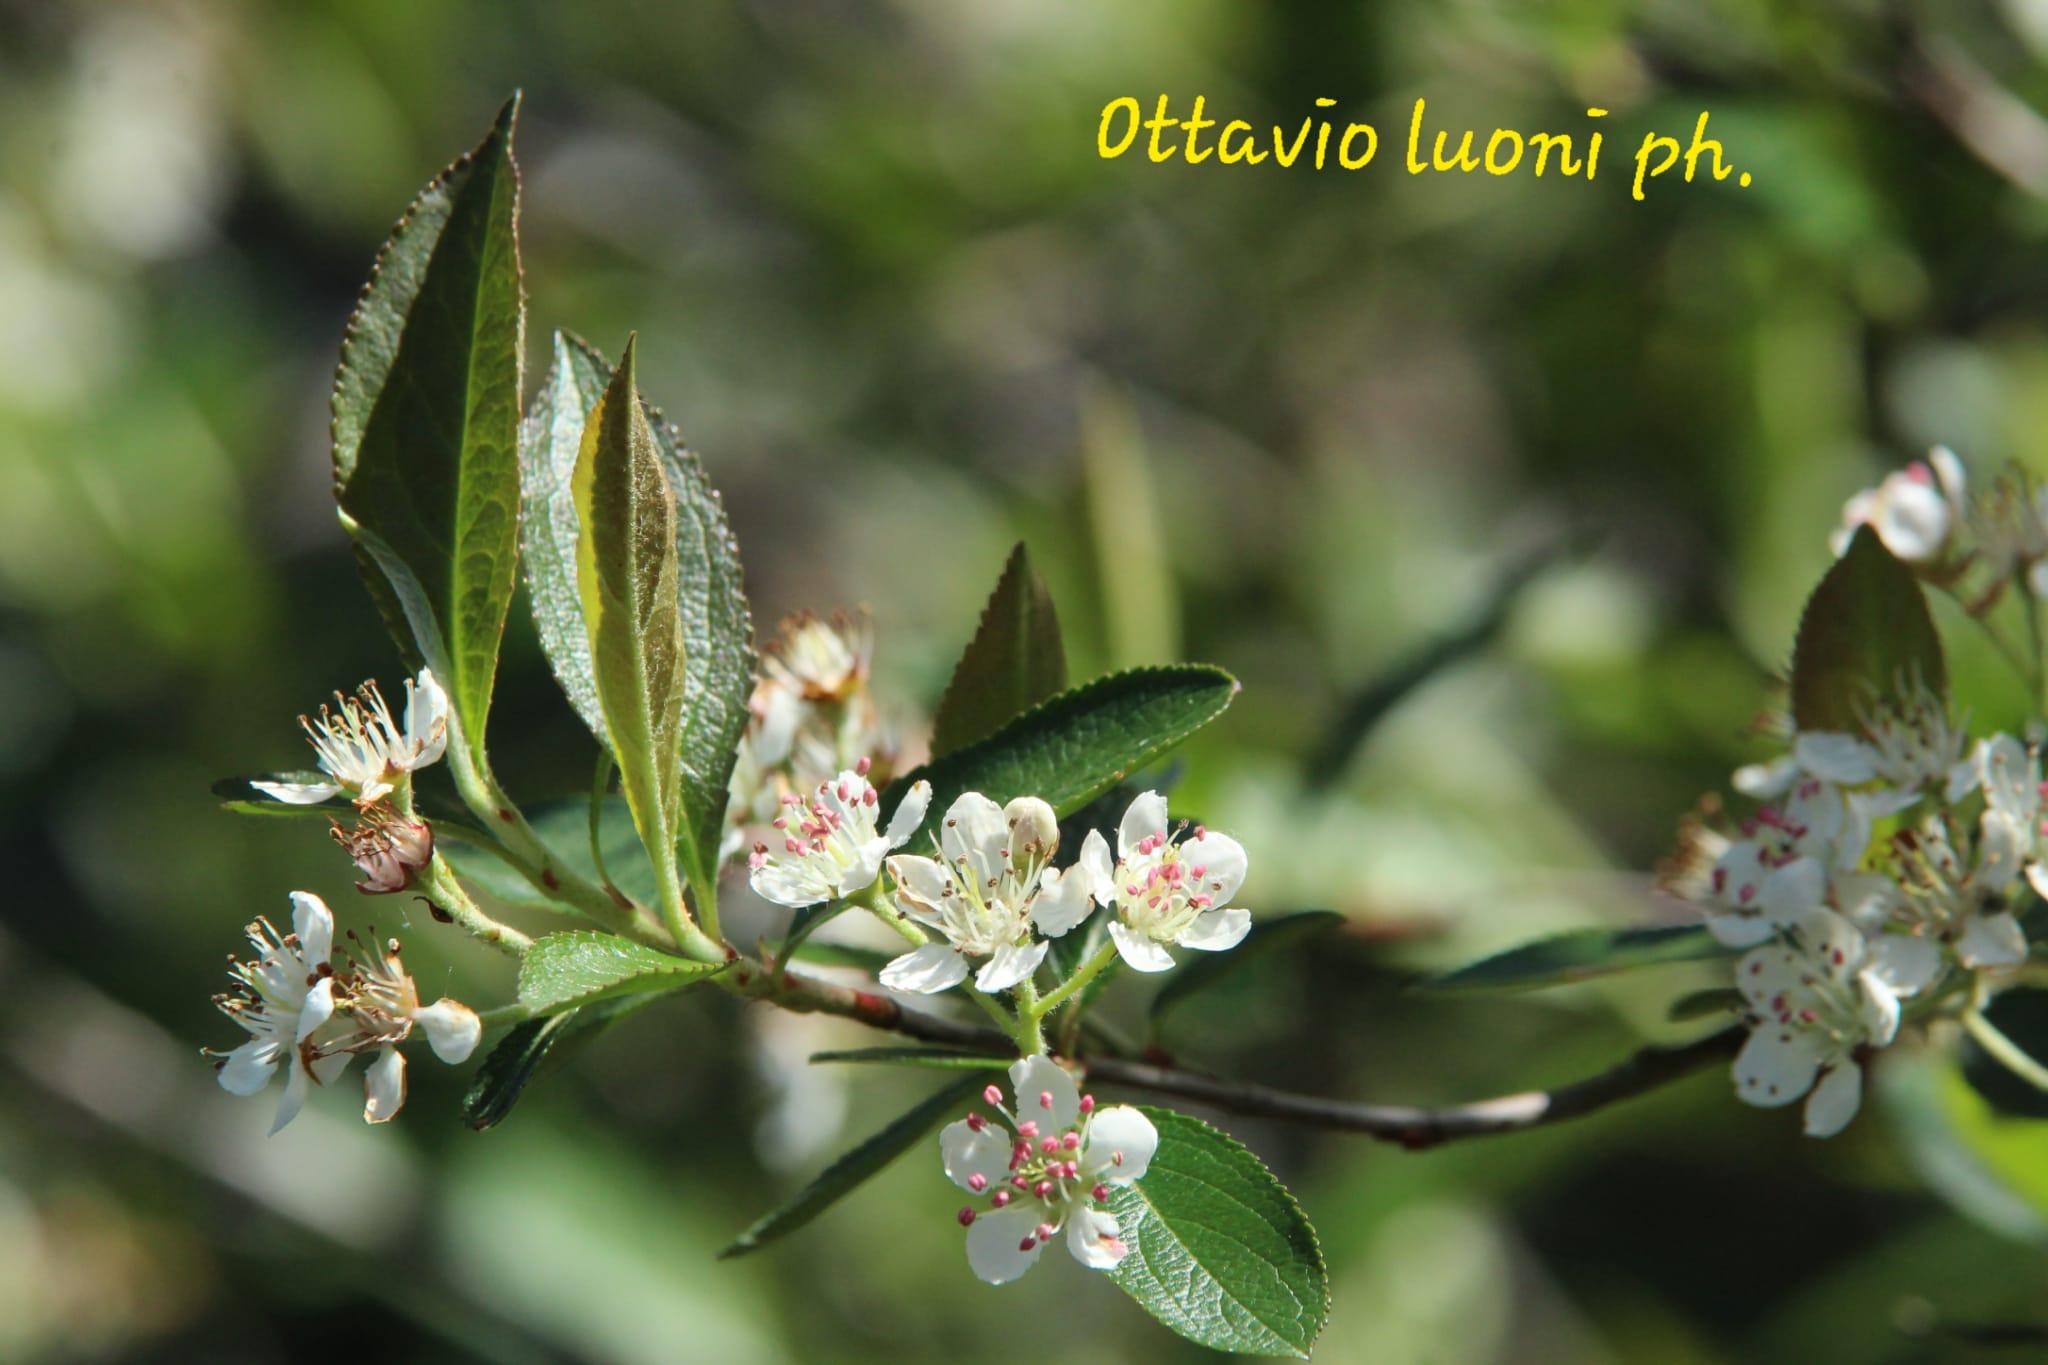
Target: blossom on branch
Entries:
(830, 848)
(1166, 889)
(363, 750)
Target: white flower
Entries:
(1793, 857)
(820, 660)
(1968, 905)
(283, 997)
(1166, 890)
(1914, 511)
(1049, 1171)
(1905, 744)
(829, 847)
(992, 887)
(383, 1006)
(1816, 998)
(363, 750)
(387, 849)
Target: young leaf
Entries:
(1864, 635)
(1267, 936)
(519, 1055)
(626, 581)
(717, 624)
(1077, 745)
(942, 1058)
(1713, 1002)
(426, 421)
(1219, 1250)
(564, 971)
(1579, 954)
(1014, 661)
(850, 1170)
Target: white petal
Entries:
(1119, 1130)
(1222, 861)
(1839, 758)
(1777, 1065)
(313, 922)
(1866, 898)
(296, 1083)
(1010, 964)
(1145, 817)
(1880, 1010)
(1215, 930)
(865, 867)
(1140, 954)
(1834, 1101)
(996, 1244)
(316, 1009)
(1062, 901)
(923, 878)
(2037, 877)
(1905, 964)
(969, 1153)
(1992, 941)
(384, 1087)
(1046, 1094)
(926, 970)
(452, 1029)
(974, 838)
(1765, 780)
(298, 793)
(426, 720)
(1912, 518)
(909, 814)
(248, 1068)
(1948, 474)
(2002, 842)
(1792, 890)
(1740, 931)
(1092, 1238)
(1097, 866)
(790, 883)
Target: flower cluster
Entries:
(830, 847)
(309, 1015)
(1044, 1169)
(1927, 516)
(811, 715)
(1879, 867)
(368, 755)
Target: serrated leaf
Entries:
(940, 1058)
(1580, 954)
(716, 623)
(564, 971)
(1219, 1250)
(626, 582)
(1015, 660)
(426, 420)
(520, 1054)
(1078, 745)
(1864, 637)
(846, 1174)
(1268, 935)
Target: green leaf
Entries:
(1219, 1250)
(520, 1054)
(562, 971)
(942, 1058)
(807, 921)
(426, 423)
(562, 825)
(1865, 639)
(1267, 936)
(626, 580)
(717, 628)
(1711, 1003)
(1579, 954)
(241, 795)
(1014, 661)
(550, 440)
(1077, 745)
(850, 1170)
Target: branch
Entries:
(1996, 126)
(1413, 1127)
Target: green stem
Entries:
(1083, 974)
(996, 1012)
(2004, 1050)
(514, 1013)
(1030, 1034)
(437, 882)
(888, 914)
(2039, 676)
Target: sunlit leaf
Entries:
(1219, 1250)
(1014, 661)
(562, 971)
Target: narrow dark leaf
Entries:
(426, 419)
(1014, 661)
(942, 1058)
(1580, 954)
(846, 1174)
(1865, 635)
(1706, 1004)
(520, 1054)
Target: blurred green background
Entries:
(1297, 424)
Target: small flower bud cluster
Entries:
(1927, 516)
